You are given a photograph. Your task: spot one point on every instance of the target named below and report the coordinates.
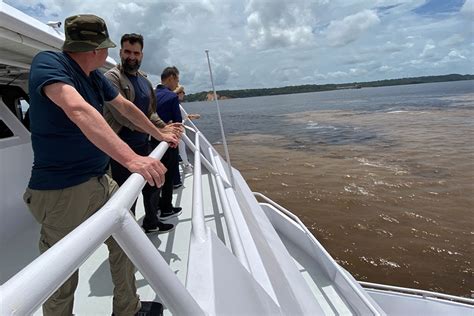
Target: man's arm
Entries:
(131, 112)
(96, 129)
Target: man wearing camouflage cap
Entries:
(72, 143)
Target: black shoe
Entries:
(167, 214)
(177, 185)
(161, 228)
(149, 309)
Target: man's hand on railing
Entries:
(150, 168)
(172, 133)
(194, 116)
(175, 128)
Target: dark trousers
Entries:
(151, 194)
(170, 161)
(177, 175)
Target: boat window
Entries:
(24, 106)
(5, 131)
(16, 99)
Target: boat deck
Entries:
(94, 294)
(95, 289)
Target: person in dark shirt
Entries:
(167, 107)
(71, 145)
(133, 85)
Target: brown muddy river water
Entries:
(384, 178)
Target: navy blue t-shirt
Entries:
(63, 156)
(167, 105)
(142, 101)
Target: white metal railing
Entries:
(425, 294)
(204, 161)
(295, 218)
(198, 224)
(198, 230)
(29, 288)
(234, 236)
(192, 127)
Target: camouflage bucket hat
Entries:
(86, 32)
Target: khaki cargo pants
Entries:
(59, 212)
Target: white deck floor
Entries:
(94, 293)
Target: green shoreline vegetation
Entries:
(245, 93)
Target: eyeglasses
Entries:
(182, 92)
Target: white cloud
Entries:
(428, 51)
(357, 71)
(391, 47)
(261, 43)
(451, 58)
(452, 40)
(337, 74)
(132, 8)
(385, 68)
(347, 30)
(279, 23)
(455, 54)
(221, 74)
(468, 9)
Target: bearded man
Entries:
(135, 87)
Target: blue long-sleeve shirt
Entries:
(167, 105)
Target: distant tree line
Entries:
(245, 93)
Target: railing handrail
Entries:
(198, 229)
(234, 236)
(70, 252)
(198, 214)
(423, 293)
(190, 144)
(204, 161)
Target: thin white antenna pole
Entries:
(220, 122)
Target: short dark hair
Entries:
(168, 72)
(132, 38)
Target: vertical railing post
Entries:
(198, 225)
(154, 268)
(234, 236)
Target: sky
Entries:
(275, 43)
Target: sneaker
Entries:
(167, 214)
(177, 185)
(161, 228)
